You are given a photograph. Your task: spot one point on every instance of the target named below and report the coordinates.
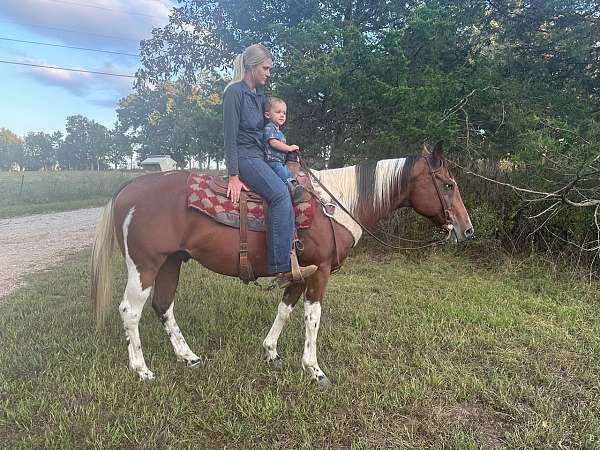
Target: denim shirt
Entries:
(243, 122)
(272, 132)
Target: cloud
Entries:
(76, 83)
(111, 24)
(83, 84)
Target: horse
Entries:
(157, 232)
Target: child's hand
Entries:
(294, 148)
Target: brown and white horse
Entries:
(157, 232)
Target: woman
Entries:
(243, 117)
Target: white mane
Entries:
(353, 183)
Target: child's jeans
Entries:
(281, 170)
(296, 191)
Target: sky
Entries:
(40, 99)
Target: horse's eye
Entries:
(449, 186)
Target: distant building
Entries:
(158, 163)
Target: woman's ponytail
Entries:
(250, 57)
(238, 70)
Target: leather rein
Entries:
(432, 243)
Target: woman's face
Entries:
(262, 71)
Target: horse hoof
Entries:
(146, 376)
(195, 363)
(322, 382)
(275, 363)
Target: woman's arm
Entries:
(232, 105)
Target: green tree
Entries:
(86, 144)
(120, 148)
(371, 79)
(40, 151)
(176, 119)
(11, 150)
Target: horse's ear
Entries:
(438, 151)
(425, 152)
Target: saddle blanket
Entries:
(202, 198)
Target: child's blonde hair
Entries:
(251, 57)
(271, 101)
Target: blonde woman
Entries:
(244, 119)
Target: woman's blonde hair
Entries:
(251, 57)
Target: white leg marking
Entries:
(270, 342)
(312, 320)
(180, 346)
(131, 308)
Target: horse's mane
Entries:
(374, 182)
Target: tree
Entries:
(86, 144)
(11, 150)
(40, 151)
(176, 119)
(120, 147)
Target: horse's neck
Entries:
(370, 192)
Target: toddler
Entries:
(276, 149)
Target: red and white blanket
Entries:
(201, 198)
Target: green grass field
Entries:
(437, 352)
(25, 193)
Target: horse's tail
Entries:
(101, 277)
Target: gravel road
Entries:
(33, 243)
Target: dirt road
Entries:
(33, 243)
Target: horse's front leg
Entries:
(284, 310)
(315, 291)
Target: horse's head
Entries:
(434, 194)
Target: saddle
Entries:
(219, 186)
(208, 195)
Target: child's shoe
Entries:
(296, 191)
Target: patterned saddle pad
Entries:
(202, 198)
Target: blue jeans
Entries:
(280, 214)
(281, 170)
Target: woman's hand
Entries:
(234, 187)
(294, 148)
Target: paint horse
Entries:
(156, 232)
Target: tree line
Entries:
(87, 145)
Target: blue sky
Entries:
(36, 99)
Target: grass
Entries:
(25, 193)
(431, 353)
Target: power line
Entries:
(104, 8)
(121, 38)
(67, 69)
(68, 46)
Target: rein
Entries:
(432, 243)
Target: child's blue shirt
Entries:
(272, 132)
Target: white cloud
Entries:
(74, 82)
(83, 84)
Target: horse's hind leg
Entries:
(162, 302)
(290, 297)
(131, 308)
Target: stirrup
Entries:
(284, 280)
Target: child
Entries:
(276, 149)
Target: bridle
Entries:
(430, 243)
(447, 209)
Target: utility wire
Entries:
(67, 69)
(121, 38)
(104, 8)
(68, 46)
